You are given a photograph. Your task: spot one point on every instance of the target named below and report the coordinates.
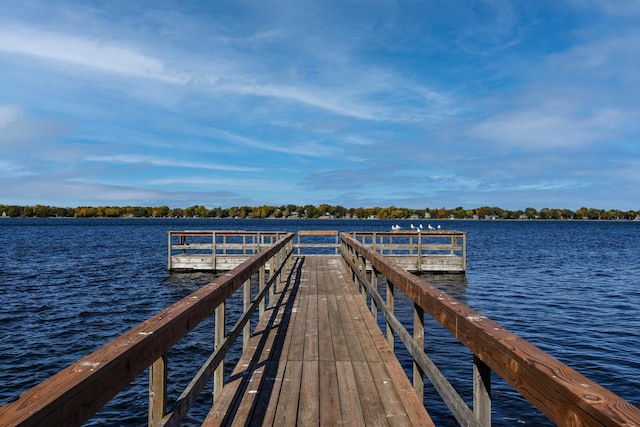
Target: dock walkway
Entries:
(319, 358)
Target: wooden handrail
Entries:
(565, 396)
(75, 394)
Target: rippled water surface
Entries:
(69, 286)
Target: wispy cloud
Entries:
(85, 52)
(163, 162)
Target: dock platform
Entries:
(312, 351)
(318, 359)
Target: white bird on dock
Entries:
(430, 227)
(396, 227)
(438, 226)
(413, 227)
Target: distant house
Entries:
(4, 214)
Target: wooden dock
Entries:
(316, 355)
(318, 359)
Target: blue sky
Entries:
(353, 102)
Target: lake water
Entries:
(68, 286)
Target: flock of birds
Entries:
(413, 227)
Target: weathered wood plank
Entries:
(329, 400)
(370, 400)
(350, 407)
(286, 411)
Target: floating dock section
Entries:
(435, 251)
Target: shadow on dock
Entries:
(284, 304)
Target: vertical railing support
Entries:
(418, 337)
(246, 304)
(213, 250)
(261, 285)
(374, 285)
(362, 266)
(391, 307)
(218, 375)
(481, 391)
(272, 269)
(169, 251)
(157, 391)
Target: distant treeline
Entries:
(311, 211)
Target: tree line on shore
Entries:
(311, 212)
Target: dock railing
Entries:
(315, 242)
(205, 247)
(562, 394)
(420, 250)
(75, 394)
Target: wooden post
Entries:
(391, 307)
(464, 252)
(418, 337)
(374, 285)
(246, 303)
(272, 269)
(261, 284)
(419, 252)
(218, 375)
(481, 391)
(213, 250)
(169, 251)
(157, 391)
(276, 273)
(363, 270)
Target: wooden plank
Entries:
(339, 342)
(393, 408)
(309, 406)
(299, 323)
(325, 335)
(330, 413)
(311, 342)
(368, 394)
(287, 405)
(413, 406)
(350, 407)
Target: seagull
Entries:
(413, 227)
(395, 227)
(430, 227)
(438, 226)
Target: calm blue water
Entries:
(68, 286)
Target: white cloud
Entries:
(86, 52)
(545, 128)
(156, 161)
